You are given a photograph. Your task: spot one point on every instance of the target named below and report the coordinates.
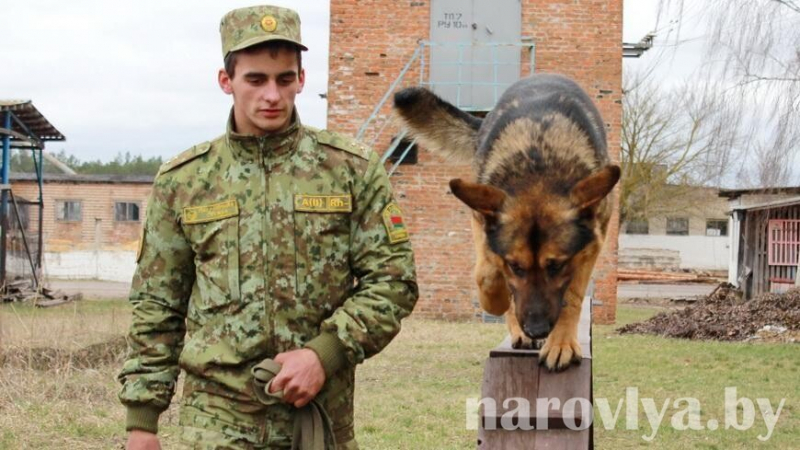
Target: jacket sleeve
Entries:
(386, 290)
(159, 293)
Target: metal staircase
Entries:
(455, 71)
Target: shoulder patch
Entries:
(185, 156)
(394, 223)
(345, 143)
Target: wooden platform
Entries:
(511, 373)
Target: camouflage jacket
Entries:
(256, 246)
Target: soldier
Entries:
(274, 241)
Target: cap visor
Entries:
(259, 39)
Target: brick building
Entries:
(375, 43)
(91, 224)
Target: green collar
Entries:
(251, 147)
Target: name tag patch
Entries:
(395, 225)
(323, 203)
(210, 213)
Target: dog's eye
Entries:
(516, 268)
(554, 267)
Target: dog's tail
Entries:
(436, 124)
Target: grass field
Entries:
(58, 387)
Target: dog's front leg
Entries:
(518, 337)
(562, 347)
(493, 293)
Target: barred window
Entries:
(678, 226)
(68, 210)
(716, 227)
(126, 212)
(637, 226)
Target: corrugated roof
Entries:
(28, 117)
(768, 205)
(734, 193)
(67, 178)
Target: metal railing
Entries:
(452, 82)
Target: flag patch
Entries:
(395, 225)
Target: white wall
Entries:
(100, 265)
(696, 252)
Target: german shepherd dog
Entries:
(539, 199)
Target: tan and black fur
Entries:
(539, 201)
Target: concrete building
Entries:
(687, 230)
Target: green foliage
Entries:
(122, 164)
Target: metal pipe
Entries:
(4, 206)
(59, 165)
(40, 179)
(24, 241)
(460, 66)
(402, 157)
(388, 93)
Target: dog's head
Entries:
(546, 239)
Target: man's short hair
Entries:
(272, 46)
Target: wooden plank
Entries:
(509, 377)
(574, 383)
(50, 303)
(505, 440)
(562, 440)
(511, 373)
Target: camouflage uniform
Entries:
(255, 246)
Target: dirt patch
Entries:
(96, 355)
(724, 316)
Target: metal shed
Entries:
(22, 127)
(765, 240)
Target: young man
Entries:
(274, 241)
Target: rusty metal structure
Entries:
(22, 128)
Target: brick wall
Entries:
(370, 42)
(97, 229)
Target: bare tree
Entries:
(672, 141)
(753, 46)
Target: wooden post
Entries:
(510, 374)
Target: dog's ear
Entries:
(436, 124)
(589, 191)
(485, 199)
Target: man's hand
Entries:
(142, 440)
(301, 376)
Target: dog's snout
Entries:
(537, 328)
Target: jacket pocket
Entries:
(214, 234)
(322, 243)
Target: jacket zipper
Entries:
(268, 320)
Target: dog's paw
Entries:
(559, 355)
(521, 341)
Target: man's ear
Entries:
(589, 191)
(301, 80)
(485, 199)
(224, 82)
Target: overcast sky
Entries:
(140, 76)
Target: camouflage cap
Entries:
(245, 27)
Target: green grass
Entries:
(411, 396)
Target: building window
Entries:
(716, 227)
(678, 226)
(68, 210)
(407, 147)
(126, 212)
(637, 226)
